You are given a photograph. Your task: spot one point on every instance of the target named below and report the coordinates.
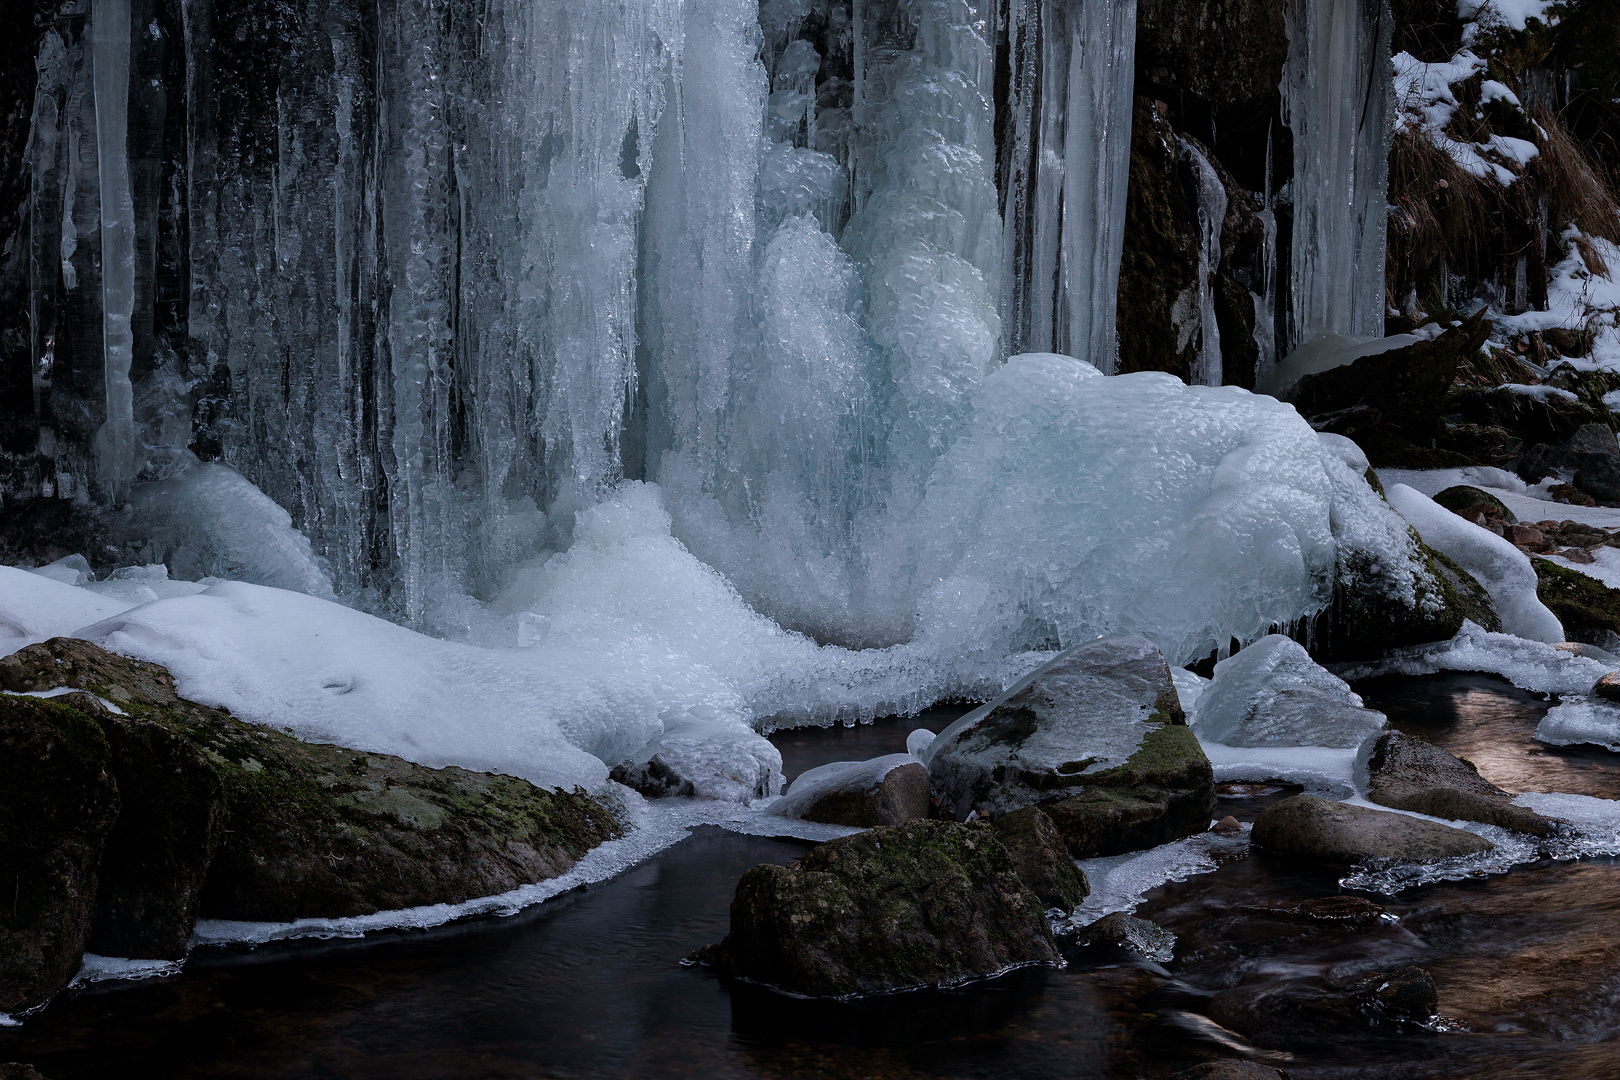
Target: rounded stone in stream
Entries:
(1338, 834)
(1608, 688)
(1043, 859)
(1409, 774)
(926, 904)
(881, 794)
(57, 803)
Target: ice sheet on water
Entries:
(1272, 694)
(1119, 882)
(1530, 665)
(1503, 569)
(1325, 771)
(1578, 721)
(835, 777)
(211, 521)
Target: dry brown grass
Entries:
(1442, 213)
(1576, 185)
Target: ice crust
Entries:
(838, 776)
(1503, 569)
(1530, 665)
(1273, 694)
(1576, 721)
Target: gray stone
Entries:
(1599, 477)
(1409, 774)
(1608, 688)
(926, 904)
(1341, 835)
(1042, 857)
(1083, 713)
(1593, 439)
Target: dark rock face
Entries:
(1160, 258)
(902, 795)
(1340, 835)
(1474, 504)
(315, 830)
(1409, 774)
(1599, 477)
(1589, 609)
(1232, 1069)
(57, 803)
(1042, 858)
(1224, 51)
(1044, 736)
(1391, 403)
(930, 903)
(18, 1071)
(1165, 791)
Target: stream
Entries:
(589, 984)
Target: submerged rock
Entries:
(1338, 834)
(926, 904)
(1042, 858)
(890, 790)
(58, 801)
(1319, 1006)
(313, 830)
(1409, 774)
(1085, 712)
(1273, 694)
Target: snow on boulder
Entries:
(1503, 569)
(888, 790)
(1273, 694)
(1085, 712)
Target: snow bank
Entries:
(34, 607)
(1503, 569)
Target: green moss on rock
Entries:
(1589, 609)
(1163, 792)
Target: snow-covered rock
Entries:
(1273, 694)
(1503, 569)
(888, 790)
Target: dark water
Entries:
(589, 984)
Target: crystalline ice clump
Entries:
(211, 521)
(1273, 694)
(1503, 569)
(1578, 721)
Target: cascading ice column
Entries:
(115, 442)
(1336, 90)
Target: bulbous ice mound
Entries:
(1273, 694)
(1074, 505)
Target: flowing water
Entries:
(589, 984)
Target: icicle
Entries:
(1265, 301)
(1070, 161)
(115, 442)
(1206, 367)
(1336, 91)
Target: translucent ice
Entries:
(1273, 694)
(1578, 721)
(1531, 665)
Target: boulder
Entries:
(1273, 694)
(1599, 477)
(312, 830)
(1588, 609)
(1084, 713)
(1042, 858)
(1163, 792)
(1552, 420)
(1338, 834)
(926, 904)
(889, 790)
(1569, 493)
(1608, 688)
(1406, 995)
(1463, 498)
(58, 801)
(1230, 1069)
(1409, 774)
(1121, 931)
(1593, 440)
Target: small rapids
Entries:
(588, 984)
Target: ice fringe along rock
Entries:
(1530, 665)
(1503, 569)
(1575, 722)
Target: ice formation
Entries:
(1273, 694)
(1336, 100)
(1530, 665)
(838, 776)
(1503, 569)
(1576, 721)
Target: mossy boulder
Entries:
(1086, 710)
(1589, 609)
(1163, 792)
(1361, 623)
(311, 830)
(1461, 498)
(930, 903)
(1340, 835)
(1405, 773)
(1043, 859)
(58, 801)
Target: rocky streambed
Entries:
(1245, 960)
